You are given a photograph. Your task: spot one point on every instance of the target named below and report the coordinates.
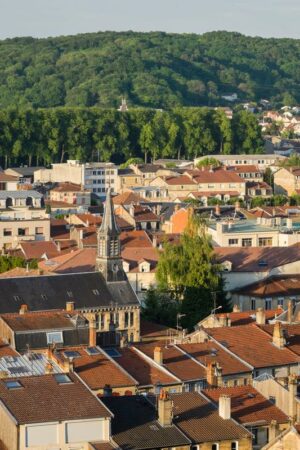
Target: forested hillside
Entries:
(42, 136)
(150, 69)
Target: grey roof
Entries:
(25, 171)
(42, 293)
(109, 223)
(19, 194)
(135, 425)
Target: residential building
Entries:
(249, 172)
(262, 161)
(22, 217)
(105, 296)
(258, 189)
(50, 411)
(8, 182)
(25, 174)
(140, 217)
(36, 330)
(275, 291)
(94, 177)
(289, 439)
(248, 265)
(250, 408)
(287, 181)
(70, 193)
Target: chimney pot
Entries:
(290, 311)
(23, 309)
(225, 407)
(158, 355)
(165, 409)
(278, 337)
(92, 333)
(236, 308)
(70, 306)
(260, 316)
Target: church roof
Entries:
(41, 293)
(109, 223)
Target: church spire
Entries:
(109, 223)
(108, 260)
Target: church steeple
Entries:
(108, 260)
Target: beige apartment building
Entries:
(287, 181)
(22, 217)
(70, 193)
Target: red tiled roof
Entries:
(246, 317)
(143, 213)
(178, 363)
(247, 259)
(144, 372)
(126, 198)
(42, 399)
(276, 286)
(253, 346)
(58, 229)
(6, 350)
(82, 260)
(67, 187)
(151, 330)
(215, 176)
(180, 180)
(134, 255)
(292, 335)
(245, 168)
(98, 370)
(4, 177)
(36, 249)
(136, 239)
(248, 405)
(208, 352)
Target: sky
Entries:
(42, 18)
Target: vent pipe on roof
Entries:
(225, 407)
(23, 309)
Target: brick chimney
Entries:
(218, 210)
(278, 337)
(70, 306)
(260, 316)
(211, 374)
(23, 309)
(158, 355)
(290, 311)
(225, 407)
(236, 308)
(165, 409)
(92, 333)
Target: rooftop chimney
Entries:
(290, 311)
(107, 390)
(225, 407)
(237, 206)
(70, 306)
(218, 210)
(158, 355)
(211, 374)
(278, 337)
(23, 309)
(165, 409)
(292, 387)
(92, 333)
(260, 316)
(236, 308)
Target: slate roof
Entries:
(43, 399)
(87, 290)
(135, 425)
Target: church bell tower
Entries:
(109, 261)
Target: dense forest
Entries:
(42, 136)
(157, 70)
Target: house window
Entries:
(23, 232)
(272, 399)
(7, 232)
(55, 337)
(253, 304)
(62, 378)
(234, 445)
(280, 301)
(268, 303)
(126, 317)
(247, 242)
(265, 242)
(215, 447)
(131, 317)
(233, 242)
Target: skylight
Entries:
(71, 354)
(93, 350)
(13, 385)
(62, 378)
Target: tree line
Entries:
(157, 70)
(44, 136)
